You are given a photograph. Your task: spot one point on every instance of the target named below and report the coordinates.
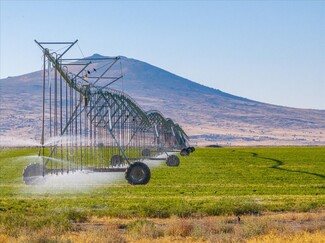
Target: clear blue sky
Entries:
(270, 51)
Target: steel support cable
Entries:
(102, 75)
(128, 121)
(112, 134)
(101, 67)
(59, 69)
(120, 105)
(61, 48)
(95, 104)
(80, 50)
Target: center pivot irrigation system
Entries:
(89, 126)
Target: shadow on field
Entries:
(280, 163)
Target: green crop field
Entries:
(211, 181)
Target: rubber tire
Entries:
(116, 160)
(172, 160)
(33, 174)
(138, 173)
(192, 149)
(146, 152)
(184, 152)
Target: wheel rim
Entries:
(137, 174)
(172, 160)
(146, 152)
(184, 152)
(33, 174)
(117, 160)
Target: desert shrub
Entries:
(317, 237)
(181, 227)
(143, 229)
(257, 226)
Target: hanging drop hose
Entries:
(97, 123)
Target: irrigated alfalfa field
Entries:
(216, 194)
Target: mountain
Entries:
(209, 116)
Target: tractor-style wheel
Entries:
(172, 160)
(185, 152)
(138, 173)
(192, 149)
(33, 174)
(117, 160)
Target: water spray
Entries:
(88, 126)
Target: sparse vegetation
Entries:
(297, 227)
(254, 184)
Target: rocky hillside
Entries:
(209, 116)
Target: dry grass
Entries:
(302, 237)
(286, 227)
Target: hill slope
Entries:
(208, 115)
